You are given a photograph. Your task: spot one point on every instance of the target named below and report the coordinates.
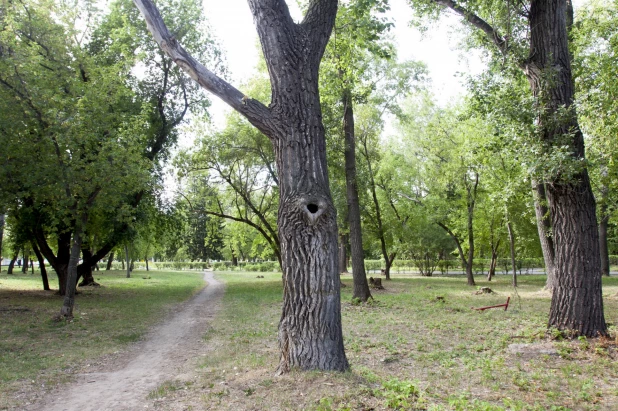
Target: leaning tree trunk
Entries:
(39, 257)
(110, 260)
(361, 287)
(543, 224)
(310, 334)
(494, 260)
(12, 263)
(577, 300)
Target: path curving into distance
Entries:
(160, 357)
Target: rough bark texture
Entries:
(310, 334)
(543, 224)
(361, 287)
(577, 302)
(39, 257)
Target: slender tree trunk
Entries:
(146, 259)
(12, 263)
(110, 260)
(494, 260)
(361, 287)
(509, 227)
(126, 254)
(1, 236)
(24, 267)
(66, 311)
(39, 257)
(343, 254)
(543, 224)
(577, 300)
(466, 264)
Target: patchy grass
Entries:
(409, 349)
(37, 352)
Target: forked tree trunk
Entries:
(310, 334)
(39, 257)
(85, 271)
(543, 224)
(577, 301)
(361, 287)
(465, 262)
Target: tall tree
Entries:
(308, 338)
(540, 26)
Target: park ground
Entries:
(416, 345)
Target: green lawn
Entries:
(409, 349)
(36, 351)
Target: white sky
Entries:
(232, 23)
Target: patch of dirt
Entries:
(529, 351)
(124, 381)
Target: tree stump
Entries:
(485, 290)
(376, 283)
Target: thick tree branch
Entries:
(258, 114)
(477, 22)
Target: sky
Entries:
(232, 23)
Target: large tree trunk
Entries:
(310, 334)
(361, 287)
(577, 301)
(543, 224)
(39, 257)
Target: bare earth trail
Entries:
(125, 384)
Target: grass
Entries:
(409, 349)
(37, 352)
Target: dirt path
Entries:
(125, 383)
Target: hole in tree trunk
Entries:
(313, 208)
